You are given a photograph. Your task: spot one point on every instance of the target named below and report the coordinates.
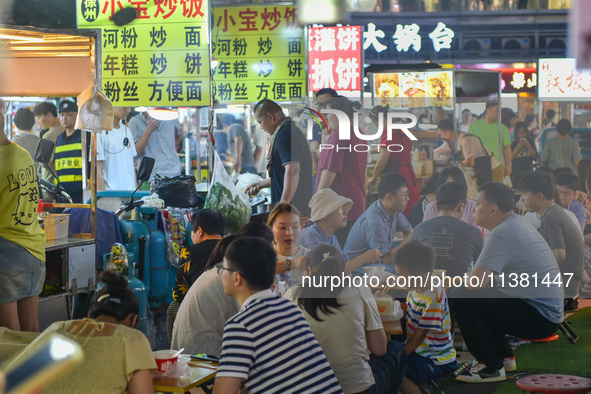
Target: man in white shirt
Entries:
(115, 155)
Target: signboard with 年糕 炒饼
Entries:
(161, 58)
(260, 53)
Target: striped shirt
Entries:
(269, 344)
(430, 311)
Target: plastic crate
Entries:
(56, 226)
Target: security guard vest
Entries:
(68, 164)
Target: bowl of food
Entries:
(165, 359)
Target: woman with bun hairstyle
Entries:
(117, 357)
(341, 167)
(398, 162)
(347, 324)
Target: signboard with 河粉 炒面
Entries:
(160, 58)
(260, 53)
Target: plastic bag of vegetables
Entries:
(225, 198)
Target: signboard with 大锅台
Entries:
(161, 58)
(260, 53)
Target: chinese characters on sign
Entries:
(335, 58)
(159, 59)
(407, 37)
(559, 80)
(260, 53)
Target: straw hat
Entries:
(325, 202)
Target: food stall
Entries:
(413, 91)
(49, 63)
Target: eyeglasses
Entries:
(220, 267)
(405, 195)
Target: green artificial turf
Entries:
(572, 359)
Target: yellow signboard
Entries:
(161, 58)
(260, 53)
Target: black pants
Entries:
(484, 322)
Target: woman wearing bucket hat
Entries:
(329, 213)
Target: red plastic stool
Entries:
(554, 384)
(548, 340)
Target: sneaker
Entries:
(479, 373)
(510, 364)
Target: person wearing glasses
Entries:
(377, 226)
(267, 346)
(200, 320)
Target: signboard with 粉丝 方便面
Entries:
(260, 53)
(160, 58)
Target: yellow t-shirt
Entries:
(19, 197)
(112, 353)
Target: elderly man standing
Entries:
(289, 161)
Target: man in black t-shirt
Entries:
(208, 227)
(289, 161)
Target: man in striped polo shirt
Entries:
(268, 345)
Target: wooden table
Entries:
(203, 374)
(392, 328)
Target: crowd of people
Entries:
(467, 222)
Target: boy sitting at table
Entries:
(429, 341)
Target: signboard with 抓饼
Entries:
(335, 58)
(260, 53)
(160, 58)
(560, 80)
(413, 89)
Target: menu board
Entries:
(160, 58)
(261, 54)
(413, 89)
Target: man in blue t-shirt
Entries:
(289, 161)
(513, 288)
(268, 345)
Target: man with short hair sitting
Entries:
(377, 226)
(268, 345)
(457, 244)
(559, 231)
(526, 300)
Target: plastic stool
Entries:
(554, 384)
(551, 338)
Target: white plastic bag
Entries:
(226, 199)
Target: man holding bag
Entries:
(487, 129)
(289, 162)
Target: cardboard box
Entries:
(56, 226)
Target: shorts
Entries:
(421, 369)
(21, 274)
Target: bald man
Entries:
(289, 162)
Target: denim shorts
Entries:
(421, 369)
(21, 274)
